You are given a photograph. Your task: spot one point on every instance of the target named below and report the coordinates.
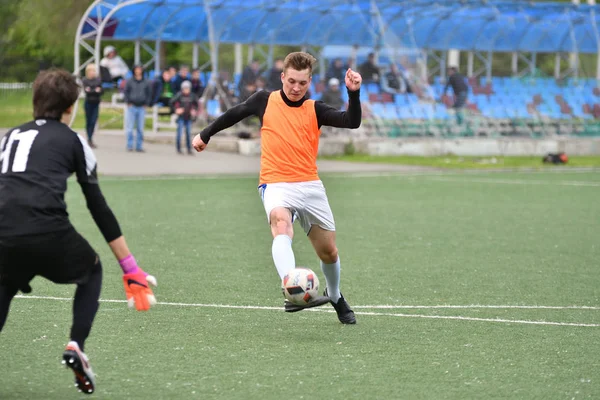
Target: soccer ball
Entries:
(300, 286)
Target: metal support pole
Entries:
(470, 61)
(514, 66)
(322, 66)
(238, 58)
(353, 55)
(488, 67)
(250, 53)
(533, 61)
(454, 58)
(557, 59)
(137, 56)
(195, 50)
(270, 55)
(157, 72)
(443, 65)
(156, 57)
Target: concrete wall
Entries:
(436, 147)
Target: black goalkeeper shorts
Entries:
(61, 257)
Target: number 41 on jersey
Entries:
(24, 142)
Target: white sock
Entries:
(332, 276)
(283, 255)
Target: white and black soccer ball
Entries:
(300, 286)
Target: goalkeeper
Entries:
(36, 236)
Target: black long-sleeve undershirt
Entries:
(257, 104)
(101, 213)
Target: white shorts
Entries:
(307, 201)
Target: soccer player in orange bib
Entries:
(290, 187)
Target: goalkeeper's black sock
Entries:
(85, 306)
(6, 295)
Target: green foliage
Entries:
(37, 34)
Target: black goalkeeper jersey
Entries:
(36, 159)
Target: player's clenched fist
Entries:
(198, 143)
(353, 80)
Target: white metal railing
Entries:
(15, 85)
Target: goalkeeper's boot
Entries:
(316, 302)
(75, 359)
(342, 308)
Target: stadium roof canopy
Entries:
(473, 25)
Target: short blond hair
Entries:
(90, 68)
(299, 61)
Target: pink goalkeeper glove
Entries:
(136, 281)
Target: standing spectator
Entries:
(197, 86)
(138, 95)
(162, 89)
(117, 68)
(370, 71)
(274, 76)
(460, 89)
(92, 86)
(249, 76)
(184, 71)
(185, 104)
(332, 95)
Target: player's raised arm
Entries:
(135, 280)
(235, 114)
(329, 116)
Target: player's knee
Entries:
(329, 255)
(281, 221)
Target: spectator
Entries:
(393, 81)
(185, 104)
(184, 71)
(261, 84)
(117, 68)
(249, 75)
(369, 71)
(247, 90)
(92, 86)
(337, 70)
(162, 89)
(274, 76)
(197, 86)
(173, 73)
(332, 95)
(138, 95)
(460, 88)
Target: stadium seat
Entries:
(213, 108)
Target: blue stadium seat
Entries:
(378, 109)
(213, 108)
(373, 88)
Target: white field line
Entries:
(512, 181)
(497, 320)
(475, 306)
